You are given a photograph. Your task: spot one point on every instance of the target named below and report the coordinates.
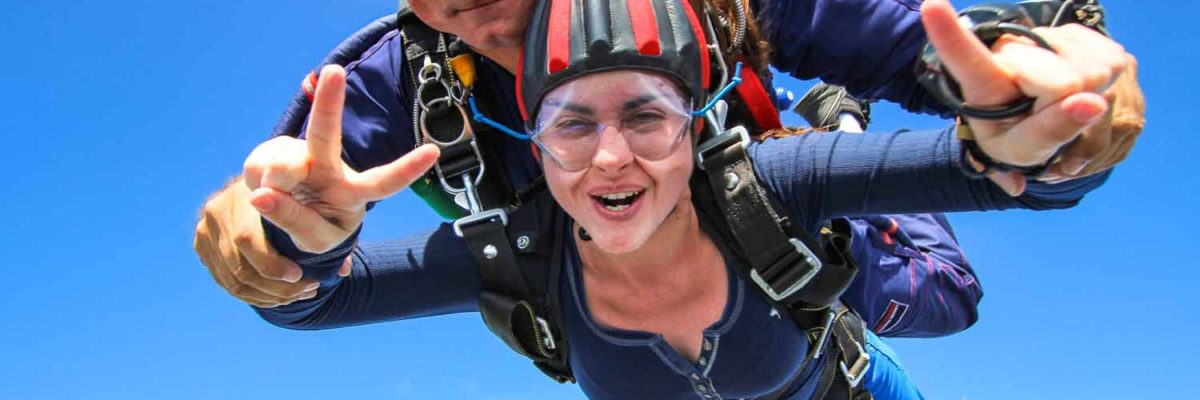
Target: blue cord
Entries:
(737, 80)
(489, 122)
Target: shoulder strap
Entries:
(520, 299)
(801, 276)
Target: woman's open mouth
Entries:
(617, 202)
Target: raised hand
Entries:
(1068, 83)
(305, 188)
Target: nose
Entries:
(613, 152)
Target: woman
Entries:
(650, 304)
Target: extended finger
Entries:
(984, 82)
(324, 134)
(1035, 139)
(310, 231)
(385, 180)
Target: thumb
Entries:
(383, 181)
(1011, 182)
(309, 230)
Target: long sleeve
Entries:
(828, 175)
(429, 273)
(913, 281)
(868, 46)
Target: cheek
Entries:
(562, 185)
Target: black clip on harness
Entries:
(444, 122)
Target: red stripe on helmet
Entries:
(645, 27)
(558, 44)
(702, 41)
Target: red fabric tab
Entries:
(520, 95)
(758, 101)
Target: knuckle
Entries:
(244, 274)
(237, 290)
(243, 238)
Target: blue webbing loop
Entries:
(737, 79)
(489, 122)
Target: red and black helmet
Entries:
(571, 38)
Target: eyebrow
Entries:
(627, 106)
(638, 102)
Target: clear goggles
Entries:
(649, 112)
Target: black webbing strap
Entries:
(842, 376)
(505, 302)
(520, 284)
(789, 268)
(847, 331)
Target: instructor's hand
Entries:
(230, 242)
(304, 187)
(1068, 83)
(229, 237)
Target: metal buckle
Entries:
(721, 142)
(469, 183)
(479, 217)
(827, 331)
(791, 288)
(548, 337)
(855, 373)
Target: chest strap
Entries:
(786, 264)
(796, 273)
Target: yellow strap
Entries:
(464, 68)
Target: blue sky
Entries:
(123, 116)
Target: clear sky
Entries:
(122, 116)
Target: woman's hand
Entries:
(304, 187)
(1069, 84)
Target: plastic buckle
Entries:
(855, 373)
(479, 217)
(790, 288)
(826, 331)
(547, 337)
(735, 135)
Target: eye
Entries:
(644, 121)
(573, 127)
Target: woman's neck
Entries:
(667, 258)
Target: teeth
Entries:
(616, 208)
(618, 196)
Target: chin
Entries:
(619, 242)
